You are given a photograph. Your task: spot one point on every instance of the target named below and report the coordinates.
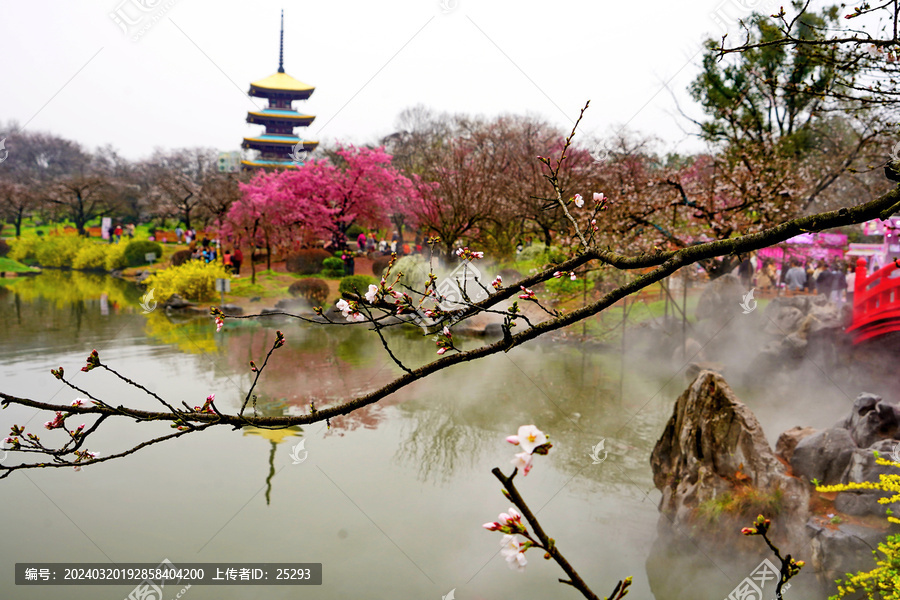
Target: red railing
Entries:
(876, 302)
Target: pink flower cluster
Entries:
(207, 406)
(526, 294)
(350, 311)
(444, 341)
(559, 274)
(497, 283)
(467, 254)
(510, 523)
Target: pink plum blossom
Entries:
(579, 201)
(372, 294)
(523, 461)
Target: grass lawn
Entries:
(8, 265)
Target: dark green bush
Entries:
(4, 248)
(354, 231)
(136, 250)
(379, 264)
(333, 267)
(306, 262)
(355, 284)
(312, 289)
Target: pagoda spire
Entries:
(281, 46)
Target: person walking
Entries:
(236, 259)
(795, 278)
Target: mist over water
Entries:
(391, 497)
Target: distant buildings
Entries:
(278, 147)
(229, 162)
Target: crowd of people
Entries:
(835, 280)
(370, 243)
(114, 233)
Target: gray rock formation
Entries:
(823, 456)
(788, 440)
(872, 419)
(713, 445)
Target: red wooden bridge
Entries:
(876, 302)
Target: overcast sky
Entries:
(180, 74)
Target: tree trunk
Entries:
(548, 237)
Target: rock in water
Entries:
(714, 448)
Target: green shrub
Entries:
(91, 257)
(355, 284)
(541, 253)
(312, 289)
(306, 262)
(333, 267)
(354, 231)
(136, 251)
(115, 257)
(194, 280)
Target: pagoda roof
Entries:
(280, 113)
(288, 140)
(271, 164)
(281, 82)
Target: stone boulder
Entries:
(836, 551)
(783, 319)
(872, 419)
(823, 456)
(176, 302)
(713, 445)
(787, 441)
(721, 299)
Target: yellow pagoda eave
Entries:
(282, 82)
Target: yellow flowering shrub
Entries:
(91, 257)
(194, 280)
(882, 582)
(59, 250)
(23, 249)
(888, 482)
(115, 257)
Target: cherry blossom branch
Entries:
(546, 542)
(532, 441)
(553, 177)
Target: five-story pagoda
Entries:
(278, 146)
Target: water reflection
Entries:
(366, 474)
(272, 408)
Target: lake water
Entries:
(390, 499)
